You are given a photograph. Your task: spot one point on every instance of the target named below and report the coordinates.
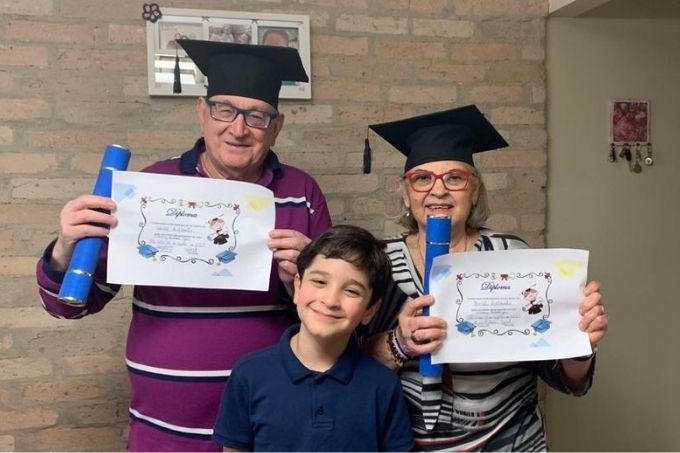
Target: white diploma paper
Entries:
(190, 232)
(510, 306)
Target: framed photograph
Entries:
(286, 34)
(238, 31)
(168, 32)
(629, 122)
(223, 26)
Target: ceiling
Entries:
(616, 9)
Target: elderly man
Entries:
(183, 342)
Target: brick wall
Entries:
(73, 79)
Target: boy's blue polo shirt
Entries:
(273, 403)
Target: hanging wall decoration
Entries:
(629, 134)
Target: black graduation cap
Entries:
(454, 134)
(252, 71)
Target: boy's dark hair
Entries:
(358, 247)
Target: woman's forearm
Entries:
(577, 373)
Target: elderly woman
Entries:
(488, 406)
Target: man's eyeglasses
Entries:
(423, 180)
(223, 111)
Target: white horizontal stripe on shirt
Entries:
(48, 292)
(105, 288)
(291, 200)
(175, 309)
(56, 296)
(299, 200)
(182, 373)
(181, 429)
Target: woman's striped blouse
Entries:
(481, 407)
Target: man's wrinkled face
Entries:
(235, 150)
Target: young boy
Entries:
(314, 390)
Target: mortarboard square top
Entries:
(454, 134)
(252, 71)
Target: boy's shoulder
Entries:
(369, 369)
(256, 361)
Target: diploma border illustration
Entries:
(466, 327)
(147, 250)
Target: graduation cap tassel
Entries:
(367, 155)
(177, 85)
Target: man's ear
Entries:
(276, 126)
(370, 312)
(200, 111)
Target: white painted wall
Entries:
(572, 8)
(629, 222)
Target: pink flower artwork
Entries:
(630, 122)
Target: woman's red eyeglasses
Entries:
(423, 180)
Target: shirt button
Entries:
(319, 410)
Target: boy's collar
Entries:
(342, 371)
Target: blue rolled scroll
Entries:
(437, 240)
(78, 278)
